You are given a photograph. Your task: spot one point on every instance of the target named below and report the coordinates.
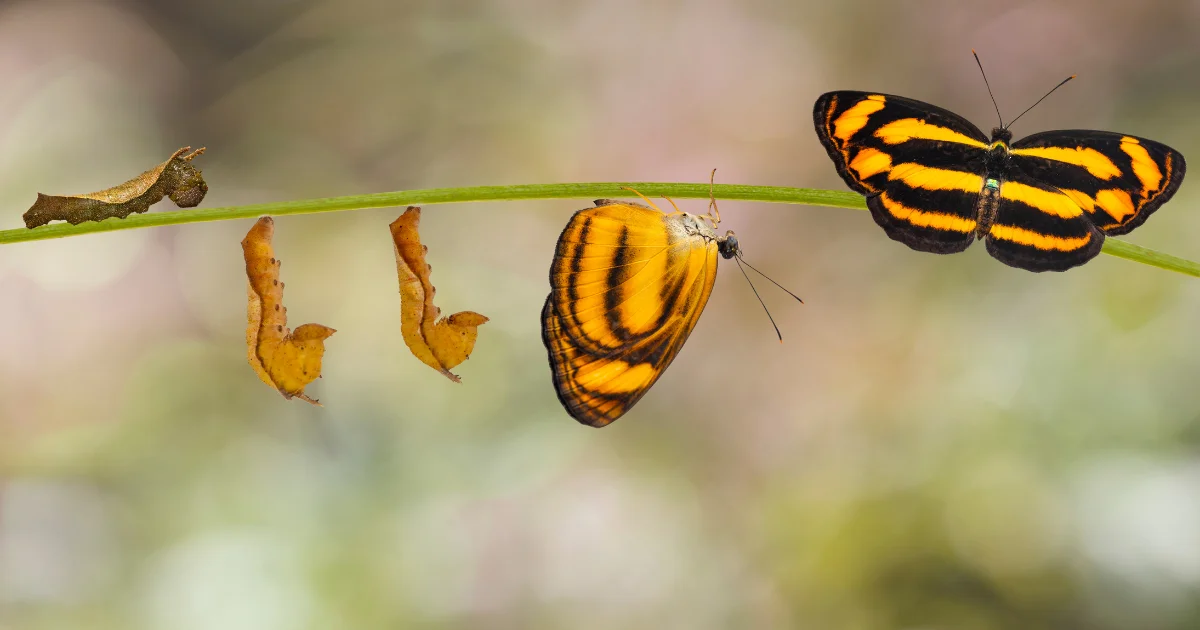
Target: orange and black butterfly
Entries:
(935, 182)
(627, 285)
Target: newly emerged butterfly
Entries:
(935, 182)
(628, 284)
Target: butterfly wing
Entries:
(920, 166)
(628, 285)
(1039, 228)
(1118, 180)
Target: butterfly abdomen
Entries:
(997, 164)
(989, 202)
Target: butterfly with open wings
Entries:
(935, 182)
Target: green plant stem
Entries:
(430, 196)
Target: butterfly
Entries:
(628, 284)
(935, 182)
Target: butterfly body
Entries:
(628, 285)
(1045, 202)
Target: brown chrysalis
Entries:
(439, 343)
(176, 178)
(285, 359)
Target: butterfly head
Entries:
(728, 245)
(1001, 135)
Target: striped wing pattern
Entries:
(1037, 227)
(628, 284)
(935, 182)
(920, 166)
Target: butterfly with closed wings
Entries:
(628, 284)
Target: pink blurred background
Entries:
(940, 442)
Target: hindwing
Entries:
(1039, 228)
(628, 284)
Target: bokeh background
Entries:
(941, 442)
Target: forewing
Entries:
(1119, 180)
(1039, 228)
(867, 134)
(920, 166)
(607, 348)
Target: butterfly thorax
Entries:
(692, 226)
(996, 163)
(997, 160)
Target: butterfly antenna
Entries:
(760, 300)
(1062, 83)
(772, 281)
(989, 88)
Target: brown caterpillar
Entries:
(176, 178)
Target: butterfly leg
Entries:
(646, 199)
(673, 205)
(713, 212)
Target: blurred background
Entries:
(940, 442)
